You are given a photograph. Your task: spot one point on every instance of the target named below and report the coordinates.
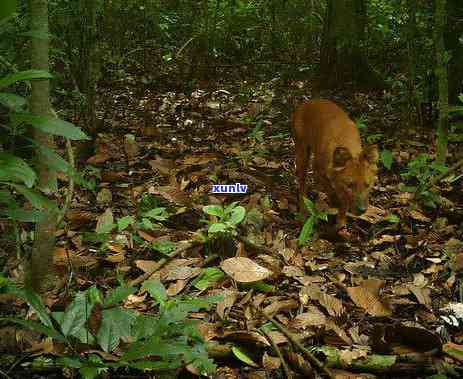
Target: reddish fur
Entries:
(344, 170)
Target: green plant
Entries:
(165, 341)
(419, 173)
(17, 177)
(258, 132)
(227, 219)
(309, 226)
(147, 220)
(386, 158)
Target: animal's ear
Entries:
(341, 156)
(371, 154)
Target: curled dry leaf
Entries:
(229, 298)
(246, 336)
(104, 197)
(423, 295)
(332, 305)
(270, 363)
(418, 216)
(164, 166)
(373, 215)
(277, 306)
(366, 296)
(244, 270)
(313, 317)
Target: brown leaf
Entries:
(270, 363)
(367, 297)
(98, 158)
(422, 294)
(164, 166)
(373, 215)
(277, 306)
(332, 305)
(244, 270)
(313, 317)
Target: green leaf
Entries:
(153, 365)
(237, 215)
(14, 169)
(105, 223)
(118, 294)
(144, 327)
(386, 158)
(12, 101)
(217, 227)
(7, 8)
(6, 197)
(76, 314)
(156, 290)
(309, 204)
(24, 75)
(208, 278)
(158, 214)
(124, 222)
(405, 188)
(52, 125)
(214, 210)
(81, 334)
(115, 323)
(393, 218)
(36, 303)
(242, 356)
(22, 215)
(51, 158)
(307, 231)
(163, 246)
(36, 326)
(35, 198)
(146, 224)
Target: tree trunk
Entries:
(41, 277)
(413, 101)
(343, 58)
(89, 67)
(441, 73)
(453, 32)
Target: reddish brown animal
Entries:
(342, 168)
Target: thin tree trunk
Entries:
(41, 277)
(342, 58)
(441, 73)
(413, 102)
(452, 36)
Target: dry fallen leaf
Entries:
(373, 215)
(332, 305)
(366, 296)
(313, 317)
(244, 270)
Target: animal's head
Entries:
(353, 177)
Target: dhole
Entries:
(343, 170)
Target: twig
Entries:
(278, 351)
(186, 245)
(443, 175)
(312, 358)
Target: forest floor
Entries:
(389, 291)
